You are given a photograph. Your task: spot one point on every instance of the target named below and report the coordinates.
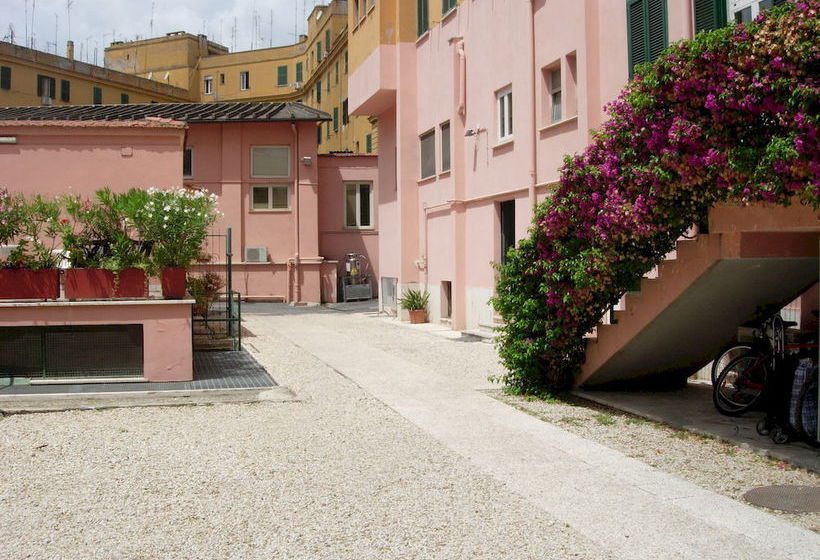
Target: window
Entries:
(506, 211)
(358, 205)
(335, 119)
(427, 143)
(281, 76)
(345, 62)
(65, 91)
(327, 40)
(368, 144)
(244, 80)
(270, 197)
(709, 14)
(337, 71)
(555, 94)
(646, 31)
(328, 82)
(97, 95)
(222, 79)
(270, 161)
(505, 123)
(318, 91)
(345, 115)
(298, 72)
(46, 86)
(208, 86)
(447, 5)
(423, 19)
(5, 77)
(319, 134)
(124, 98)
(188, 163)
(744, 11)
(445, 146)
(318, 51)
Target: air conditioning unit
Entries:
(256, 254)
(296, 85)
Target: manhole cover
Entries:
(791, 499)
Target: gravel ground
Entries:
(336, 476)
(718, 466)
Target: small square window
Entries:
(270, 197)
(270, 161)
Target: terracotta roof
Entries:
(183, 112)
(147, 123)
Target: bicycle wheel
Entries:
(727, 355)
(740, 384)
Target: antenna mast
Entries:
(151, 23)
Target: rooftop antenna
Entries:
(33, 10)
(270, 43)
(26, 23)
(151, 23)
(56, 30)
(68, 4)
(10, 34)
(233, 35)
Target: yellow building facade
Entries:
(313, 71)
(29, 77)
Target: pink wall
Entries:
(54, 159)
(167, 344)
(336, 240)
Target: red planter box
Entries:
(89, 283)
(173, 282)
(131, 284)
(98, 283)
(21, 283)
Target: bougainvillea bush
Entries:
(731, 115)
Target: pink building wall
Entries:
(336, 240)
(451, 221)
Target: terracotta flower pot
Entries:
(89, 283)
(418, 316)
(131, 284)
(22, 283)
(173, 282)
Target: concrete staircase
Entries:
(696, 300)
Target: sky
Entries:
(94, 24)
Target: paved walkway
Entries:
(625, 506)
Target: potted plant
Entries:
(30, 271)
(105, 261)
(415, 302)
(175, 223)
(205, 291)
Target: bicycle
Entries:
(743, 382)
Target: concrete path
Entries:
(625, 506)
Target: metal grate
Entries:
(792, 499)
(72, 351)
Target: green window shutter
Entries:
(65, 90)
(319, 134)
(335, 119)
(368, 142)
(318, 51)
(318, 91)
(423, 19)
(327, 39)
(40, 80)
(5, 77)
(298, 71)
(97, 96)
(709, 15)
(282, 76)
(647, 35)
(345, 114)
(124, 98)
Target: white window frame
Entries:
(208, 86)
(254, 149)
(735, 6)
(244, 80)
(356, 185)
(190, 150)
(504, 115)
(269, 207)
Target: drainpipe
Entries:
(294, 270)
(530, 91)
